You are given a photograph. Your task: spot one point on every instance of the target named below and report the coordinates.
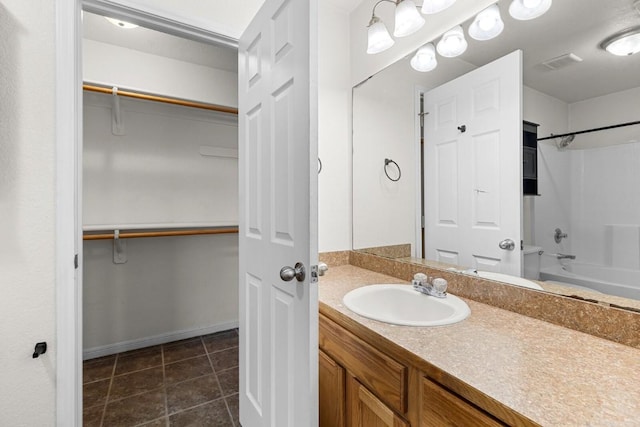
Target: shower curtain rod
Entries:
(157, 98)
(590, 130)
(166, 233)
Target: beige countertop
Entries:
(552, 375)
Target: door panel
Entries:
(278, 215)
(473, 167)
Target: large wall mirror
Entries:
(580, 233)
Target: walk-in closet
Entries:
(159, 213)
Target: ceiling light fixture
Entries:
(121, 24)
(434, 6)
(524, 10)
(623, 43)
(452, 43)
(425, 58)
(487, 25)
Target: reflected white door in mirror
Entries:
(472, 172)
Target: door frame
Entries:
(68, 185)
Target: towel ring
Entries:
(386, 163)
(319, 165)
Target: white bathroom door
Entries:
(278, 216)
(473, 168)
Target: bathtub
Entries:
(613, 281)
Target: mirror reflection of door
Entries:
(472, 161)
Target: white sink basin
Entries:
(402, 305)
(512, 280)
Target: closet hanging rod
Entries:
(157, 98)
(167, 233)
(590, 130)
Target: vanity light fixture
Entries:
(434, 6)
(121, 24)
(425, 58)
(378, 38)
(407, 21)
(524, 10)
(487, 25)
(623, 43)
(452, 43)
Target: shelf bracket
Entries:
(117, 125)
(119, 248)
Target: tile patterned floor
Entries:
(192, 382)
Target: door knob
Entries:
(507, 244)
(287, 273)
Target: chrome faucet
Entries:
(559, 235)
(429, 286)
(565, 256)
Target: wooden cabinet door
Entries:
(441, 408)
(332, 392)
(366, 410)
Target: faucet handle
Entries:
(439, 286)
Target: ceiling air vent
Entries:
(562, 61)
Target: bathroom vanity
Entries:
(495, 368)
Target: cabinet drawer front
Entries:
(377, 371)
(443, 408)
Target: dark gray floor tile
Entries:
(220, 341)
(225, 359)
(187, 369)
(136, 382)
(98, 369)
(181, 350)
(228, 381)
(234, 408)
(191, 393)
(92, 416)
(213, 414)
(95, 393)
(137, 360)
(135, 410)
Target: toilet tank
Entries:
(531, 262)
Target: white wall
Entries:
(589, 190)
(27, 214)
(334, 130)
(384, 126)
(605, 202)
(172, 287)
(131, 69)
(544, 213)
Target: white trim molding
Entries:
(68, 87)
(148, 19)
(68, 219)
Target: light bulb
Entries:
(378, 38)
(524, 10)
(408, 19)
(425, 59)
(531, 4)
(452, 43)
(487, 25)
(434, 6)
